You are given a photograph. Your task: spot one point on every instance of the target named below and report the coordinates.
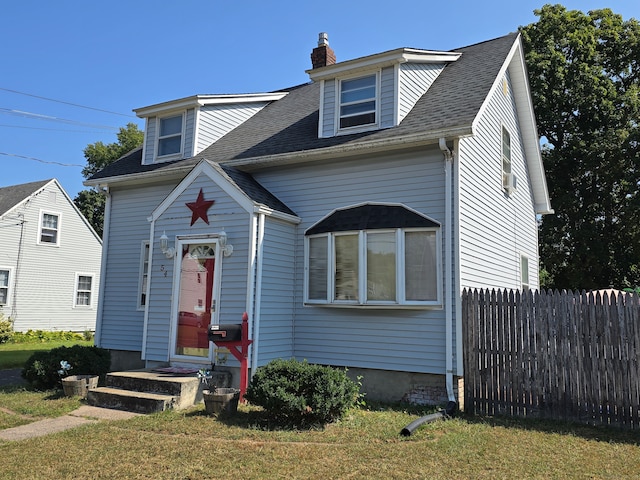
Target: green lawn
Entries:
(14, 355)
(365, 445)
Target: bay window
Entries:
(393, 260)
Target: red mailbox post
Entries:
(237, 343)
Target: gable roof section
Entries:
(240, 186)
(12, 196)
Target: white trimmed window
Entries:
(84, 290)
(49, 232)
(143, 276)
(524, 272)
(5, 279)
(358, 102)
(392, 259)
(508, 178)
(170, 136)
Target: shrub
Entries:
(41, 369)
(300, 393)
(43, 336)
(6, 329)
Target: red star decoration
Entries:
(199, 208)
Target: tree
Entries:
(91, 202)
(585, 79)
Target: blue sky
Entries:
(100, 59)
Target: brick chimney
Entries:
(322, 55)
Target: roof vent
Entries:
(322, 55)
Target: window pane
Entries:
(357, 108)
(506, 151)
(358, 102)
(49, 221)
(364, 119)
(420, 266)
(3, 296)
(168, 146)
(4, 278)
(83, 298)
(318, 268)
(48, 236)
(346, 279)
(381, 266)
(170, 126)
(84, 283)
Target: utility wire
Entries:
(51, 129)
(42, 161)
(67, 103)
(38, 116)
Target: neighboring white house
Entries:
(345, 216)
(50, 259)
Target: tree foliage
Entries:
(584, 76)
(91, 202)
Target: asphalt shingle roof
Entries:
(14, 194)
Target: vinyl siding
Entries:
(122, 322)
(278, 292)
(43, 276)
(415, 80)
(329, 108)
(387, 97)
(495, 229)
(225, 214)
(150, 141)
(405, 340)
(216, 121)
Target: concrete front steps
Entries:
(146, 391)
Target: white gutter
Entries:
(103, 266)
(448, 267)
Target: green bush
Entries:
(41, 369)
(43, 336)
(6, 329)
(300, 393)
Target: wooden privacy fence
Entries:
(561, 355)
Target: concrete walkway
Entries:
(81, 416)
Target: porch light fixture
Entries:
(169, 252)
(222, 240)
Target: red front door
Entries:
(196, 301)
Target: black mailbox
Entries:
(229, 332)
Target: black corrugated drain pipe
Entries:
(445, 414)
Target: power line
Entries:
(67, 103)
(42, 161)
(50, 129)
(49, 118)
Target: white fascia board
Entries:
(381, 60)
(202, 100)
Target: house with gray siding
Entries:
(345, 216)
(50, 260)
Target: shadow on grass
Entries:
(256, 418)
(600, 433)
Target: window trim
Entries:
(41, 227)
(524, 259)
(506, 161)
(362, 301)
(338, 108)
(145, 246)
(8, 287)
(159, 138)
(77, 290)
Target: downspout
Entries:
(103, 264)
(259, 249)
(448, 267)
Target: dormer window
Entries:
(358, 101)
(170, 136)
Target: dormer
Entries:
(373, 92)
(183, 128)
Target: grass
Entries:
(366, 444)
(14, 355)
